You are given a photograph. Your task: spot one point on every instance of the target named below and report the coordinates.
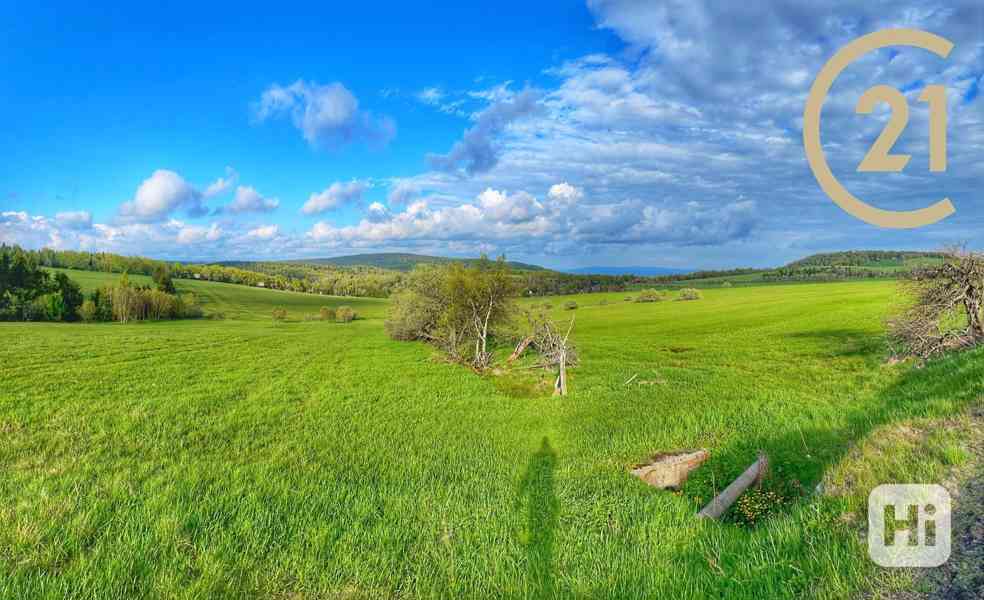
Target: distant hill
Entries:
(640, 271)
(397, 261)
(871, 259)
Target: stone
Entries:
(670, 470)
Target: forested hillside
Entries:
(393, 261)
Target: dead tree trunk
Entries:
(560, 387)
(520, 348)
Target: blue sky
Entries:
(568, 134)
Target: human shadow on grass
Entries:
(542, 514)
(799, 456)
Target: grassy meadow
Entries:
(246, 458)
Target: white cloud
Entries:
(161, 194)
(401, 192)
(79, 219)
(377, 213)
(334, 196)
(248, 200)
(222, 184)
(431, 95)
(326, 115)
(265, 232)
(565, 193)
(195, 234)
(519, 221)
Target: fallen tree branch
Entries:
(720, 504)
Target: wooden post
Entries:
(563, 373)
(720, 505)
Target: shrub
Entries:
(629, 299)
(459, 308)
(650, 296)
(690, 294)
(89, 312)
(48, 307)
(327, 313)
(280, 314)
(570, 305)
(345, 314)
(188, 308)
(726, 284)
(160, 305)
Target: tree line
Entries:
(30, 293)
(332, 280)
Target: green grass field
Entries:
(247, 458)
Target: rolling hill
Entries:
(639, 271)
(396, 261)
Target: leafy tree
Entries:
(89, 312)
(71, 297)
(162, 277)
(460, 308)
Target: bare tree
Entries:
(553, 346)
(944, 308)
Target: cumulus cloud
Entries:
(518, 220)
(377, 213)
(248, 200)
(161, 194)
(476, 151)
(79, 219)
(326, 115)
(564, 193)
(222, 184)
(264, 232)
(334, 196)
(196, 234)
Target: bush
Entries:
(89, 312)
(726, 284)
(48, 307)
(280, 314)
(459, 308)
(651, 296)
(188, 308)
(629, 299)
(327, 313)
(690, 294)
(570, 305)
(345, 314)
